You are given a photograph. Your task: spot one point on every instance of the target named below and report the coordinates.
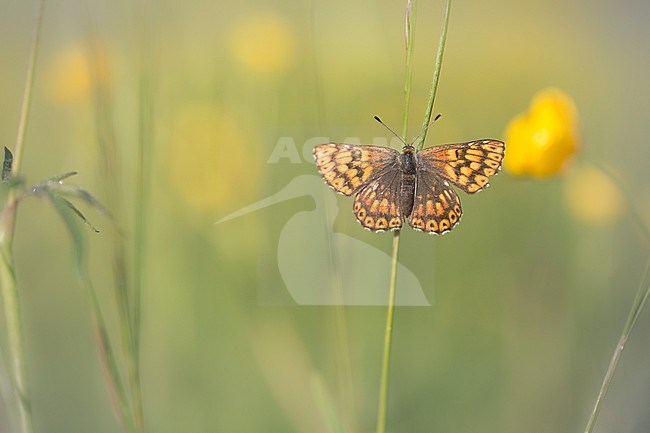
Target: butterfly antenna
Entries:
(438, 116)
(388, 127)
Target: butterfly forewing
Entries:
(467, 165)
(370, 172)
(347, 168)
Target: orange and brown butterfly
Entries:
(390, 186)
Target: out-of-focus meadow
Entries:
(528, 294)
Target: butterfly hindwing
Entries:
(436, 206)
(347, 168)
(377, 205)
(466, 165)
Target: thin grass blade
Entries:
(436, 75)
(70, 217)
(640, 300)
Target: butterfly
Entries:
(391, 186)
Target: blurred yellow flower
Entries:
(592, 197)
(209, 157)
(263, 43)
(74, 73)
(544, 140)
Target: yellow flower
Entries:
(209, 158)
(592, 197)
(263, 43)
(544, 140)
(75, 72)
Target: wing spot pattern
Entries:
(481, 180)
(432, 226)
(381, 223)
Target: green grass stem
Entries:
(640, 300)
(9, 288)
(145, 144)
(436, 76)
(27, 91)
(382, 408)
(131, 414)
(410, 49)
(109, 173)
(13, 323)
(382, 411)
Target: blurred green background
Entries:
(530, 292)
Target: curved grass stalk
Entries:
(640, 300)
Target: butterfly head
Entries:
(408, 148)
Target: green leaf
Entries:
(54, 186)
(70, 216)
(77, 212)
(60, 203)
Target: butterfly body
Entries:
(391, 186)
(409, 172)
